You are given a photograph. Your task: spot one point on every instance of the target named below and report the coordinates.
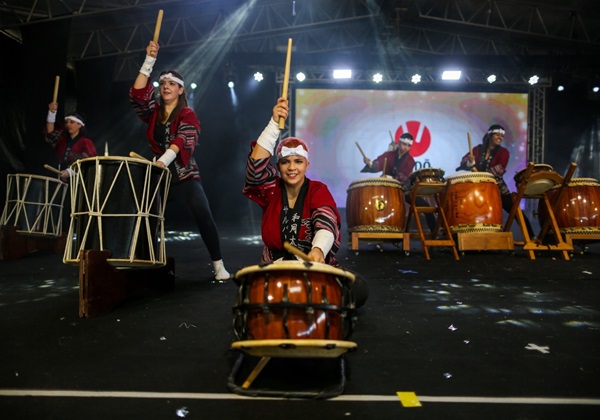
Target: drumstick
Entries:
(135, 155)
(384, 165)
(257, 369)
(391, 136)
(158, 24)
(56, 83)
(286, 76)
(293, 250)
(474, 169)
(52, 169)
(361, 150)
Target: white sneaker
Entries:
(220, 272)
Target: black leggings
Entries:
(191, 196)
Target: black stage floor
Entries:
(494, 335)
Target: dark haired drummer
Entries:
(491, 157)
(399, 164)
(69, 142)
(172, 133)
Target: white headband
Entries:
(406, 140)
(292, 151)
(72, 118)
(497, 130)
(172, 77)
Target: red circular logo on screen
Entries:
(422, 137)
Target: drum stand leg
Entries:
(246, 390)
(102, 286)
(438, 209)
(14, 245)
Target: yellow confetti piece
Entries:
(408, 399)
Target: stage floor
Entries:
(493, 335)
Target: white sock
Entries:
(220, 272)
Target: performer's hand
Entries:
(159, 163)
(64, 174)
(53, 106)
(152, 49)
(367, 161)
(281, 109)
(316, 255)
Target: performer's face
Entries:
(73, 127)
(293, 169)
(497, 139)
(170, 90)
(404, 147)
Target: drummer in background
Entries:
(173, 131)
(69, 142)
(399, 164)
(490, 156)
(296, 209)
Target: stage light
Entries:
(416, 78)
(596, 89)
(155, 84)
(491, 78)
(231, 85)
(342, 74)
(193, 85)
(258, 76)
(560, 88)
(533, 80)
(451, 75)
(377, 77)
(301, 77)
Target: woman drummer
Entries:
(172, 133)
(491, 157)
(296, 209)
(69, 142)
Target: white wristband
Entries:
(323, 240)
(51, 118)
(470, 164)
(146, 68)
(269, 136)
(70, 171)
(168, 157)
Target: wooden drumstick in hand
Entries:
(135, 155)
(56, 84)
(52, 169)
(158, 25)
(474, 169)
(295, 251)
(361, 150)
(286, 77)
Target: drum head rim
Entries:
(75, 164)
(290, 265)
(40, 177)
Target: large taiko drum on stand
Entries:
(540, 184)
(375, 205)
(293, 304)
(34, 204)
(578, 210)
(118, 205)
(473, 203)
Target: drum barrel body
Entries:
(293, 301)
(578, 210)
(432, 175)
(473, 203)
(34, 204)
(375, 204)
(118, 206)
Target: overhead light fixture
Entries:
(451, 75)
(342, 74)
(491, 78)
(301, 77)
(596, 89)
(231, 85)
(193, 85)
(416, 78)
(377, 77)
(258, 76)
(533, 80)
(560, 88)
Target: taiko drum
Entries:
(375, 204)
(538, 186)
(473, 203)
(293, 300)
(577, 208)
